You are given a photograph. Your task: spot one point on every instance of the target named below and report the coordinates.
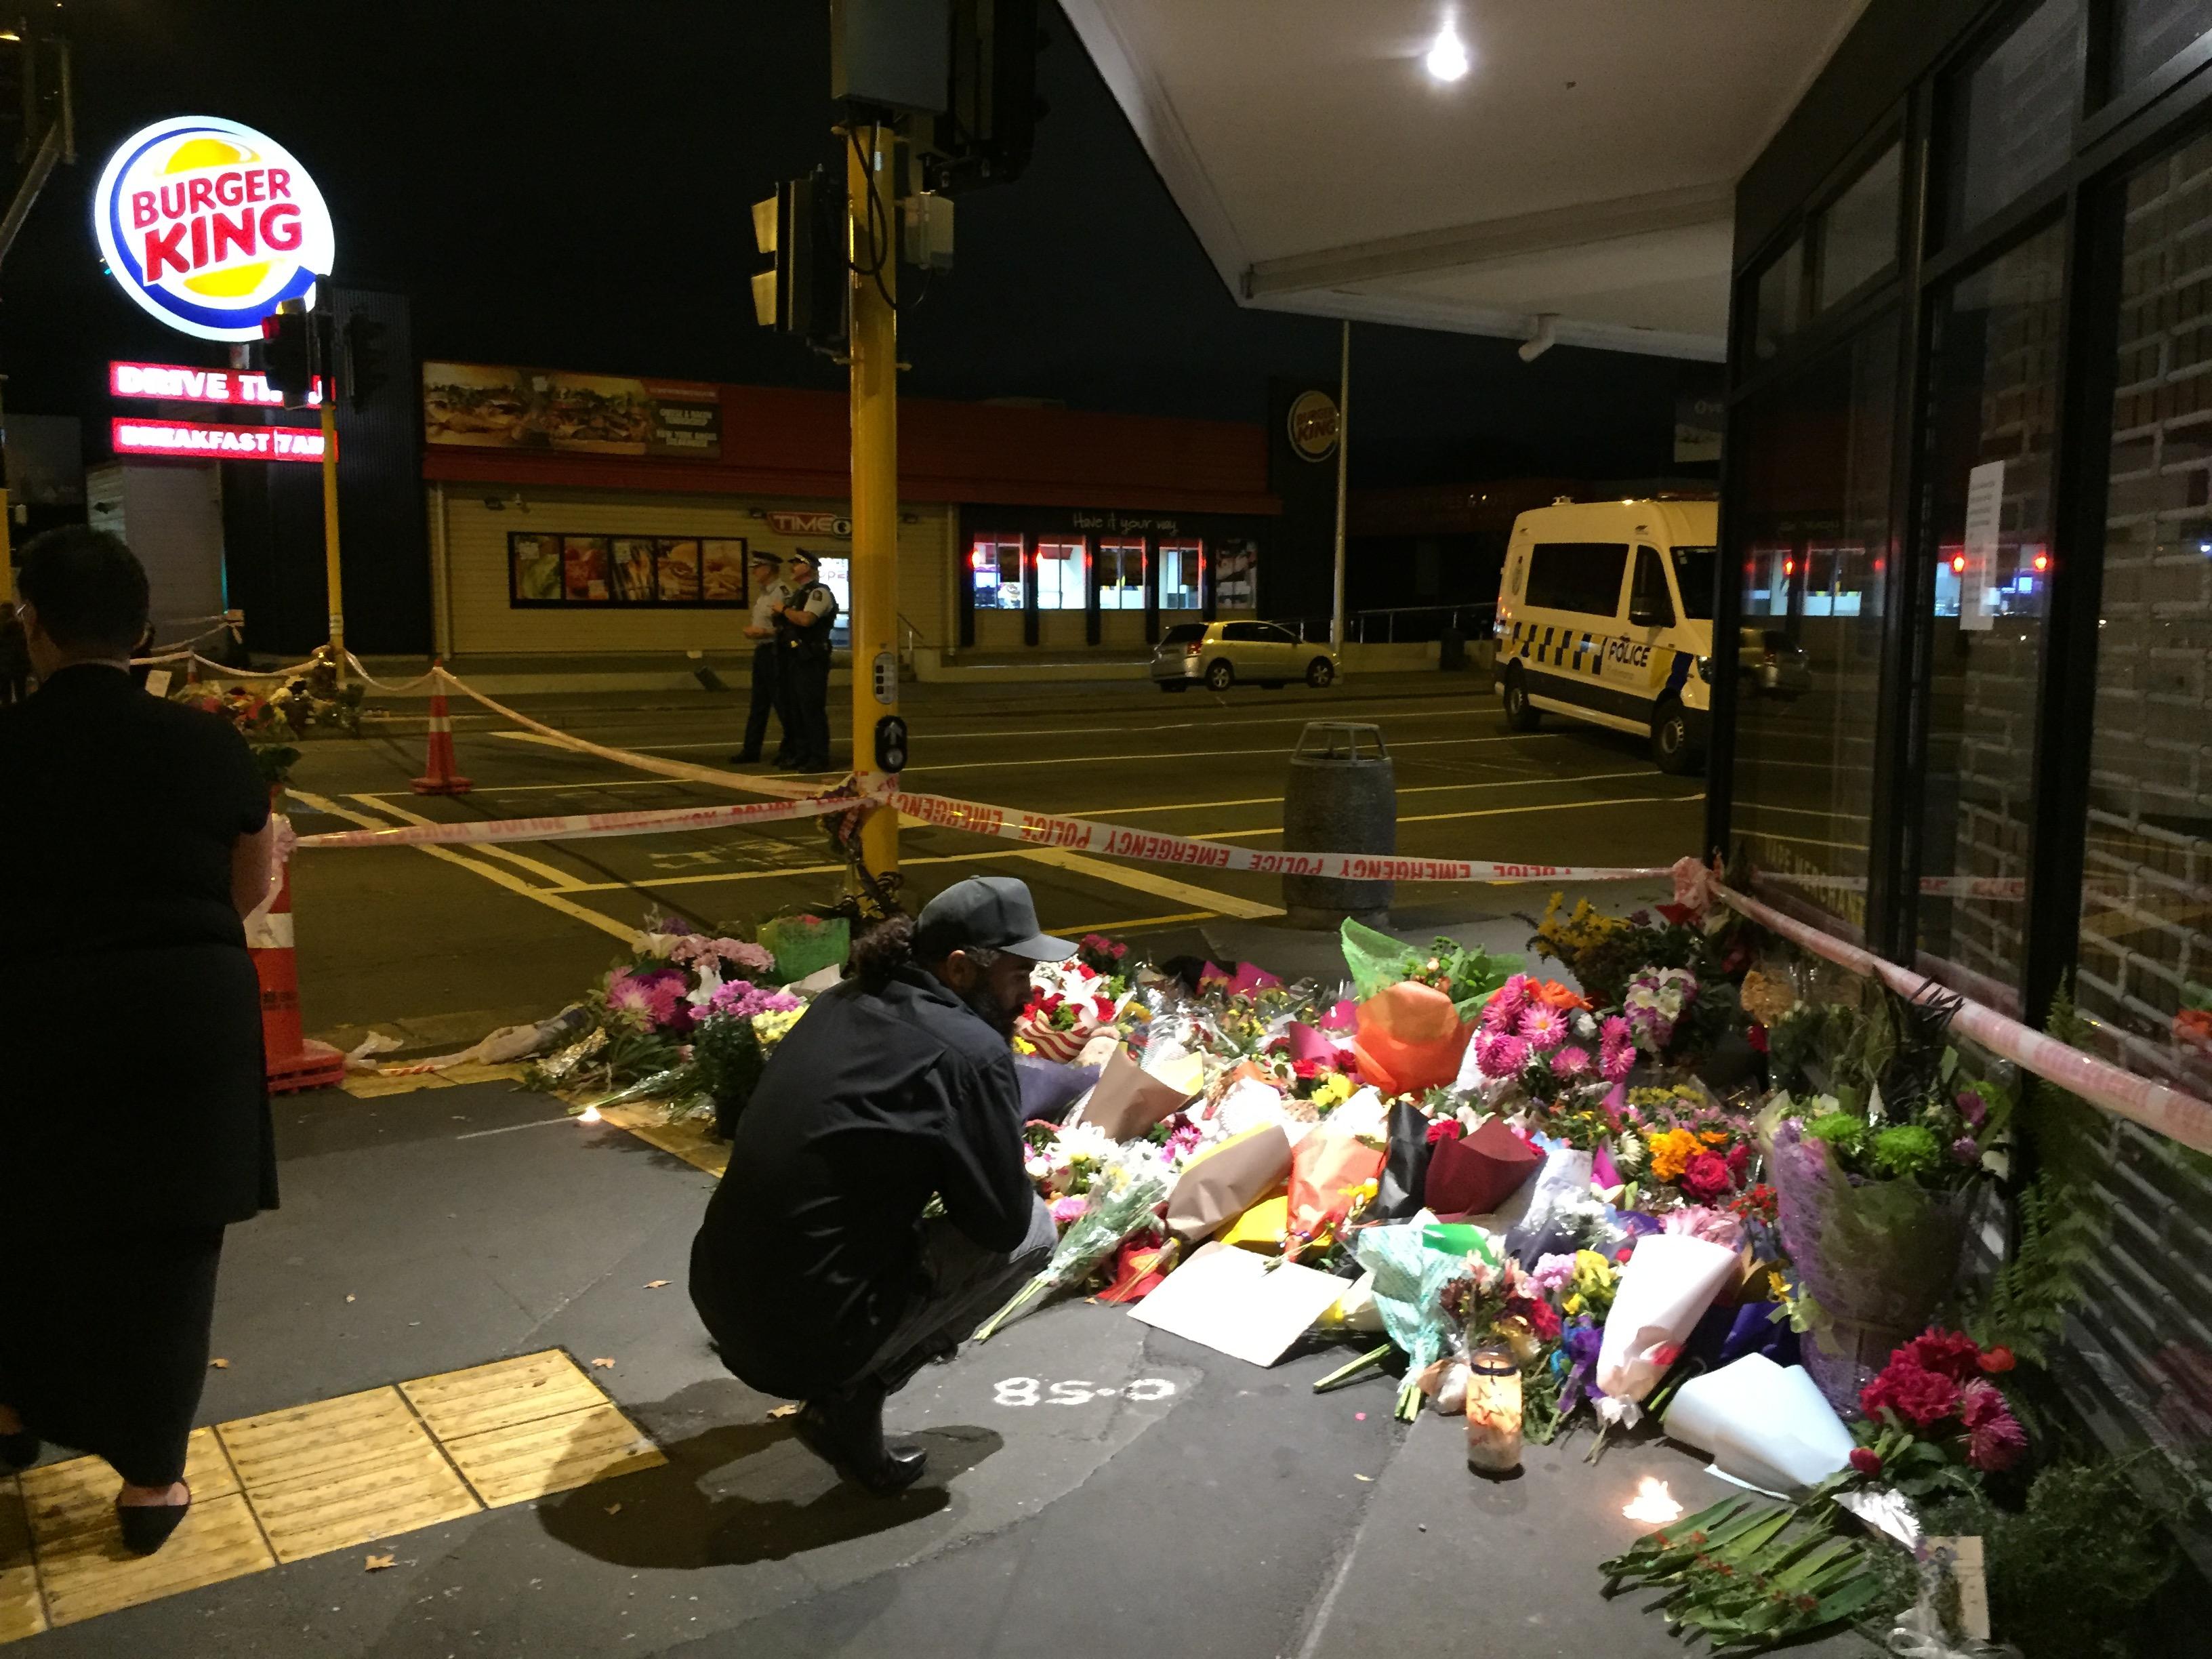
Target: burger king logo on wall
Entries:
(208, 224)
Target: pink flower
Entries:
(1994, 1439)
(1552, 1273)
(1506, 1004)
(1071, 1208)
(1571, 1061)
(1614, 1032)
(1501, 1056)
(1544, 1028)
(1618, 1061)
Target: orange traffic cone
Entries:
(443, 779)
(291, 1062)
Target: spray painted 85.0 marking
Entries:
(1030, 1391)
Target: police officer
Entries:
(802, 635)
(770, 597)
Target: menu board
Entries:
(490, 407)
(643, 572)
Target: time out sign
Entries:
(208, 225)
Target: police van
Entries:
(1605, 613)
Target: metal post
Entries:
(875, 474)
(331, 578)
(1343, 451)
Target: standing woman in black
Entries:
(134, 1116)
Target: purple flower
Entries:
(1973, 1107)
(1966, 1150)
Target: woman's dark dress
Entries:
(134, 1116)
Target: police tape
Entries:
(784, 788)
(2123, 1093)
(1157, 847)
(581, 826)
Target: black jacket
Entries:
(809, 1253)
(133, 1088)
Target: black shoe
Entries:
(147, 1526)
(847, 1432)
(19, 1450)
(752, 759)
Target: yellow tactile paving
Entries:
(343, 1472)
(693, 1139)
(367, 1085)
(501, 1394)
(552, 1454)
(331, 1476)
(83, 1570)
(21, 1611)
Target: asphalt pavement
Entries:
(437, 947)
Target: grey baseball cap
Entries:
(991, 913)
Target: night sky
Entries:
(569, 184)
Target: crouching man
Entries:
(814, 1271)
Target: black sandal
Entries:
(147, 1526)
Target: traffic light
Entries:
(364, 365)
(802, 231)
(290, 353)
(989, 127)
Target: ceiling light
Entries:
(1447, 59)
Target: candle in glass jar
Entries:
(1494, 1411)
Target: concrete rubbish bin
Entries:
(1342, 796)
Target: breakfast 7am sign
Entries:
(208, 225)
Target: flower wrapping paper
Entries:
(1226, 1180)
(1665, 1289)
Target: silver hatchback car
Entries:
(1218, 654)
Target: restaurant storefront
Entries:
(576, 514)
(1969, 474)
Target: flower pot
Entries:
(1877, 1257)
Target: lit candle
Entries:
(1652, 1502)
(589, 1115)
(1493, 1412)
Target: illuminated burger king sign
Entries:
(208, 225)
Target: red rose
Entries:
(1913, 1393)
(1543, 1318)
(1866, 1460)
(1446, 1128)
(1706, 1177)
(1948, 1353)
(1998, 1360)
(1755, 1039)
(1738, 1160)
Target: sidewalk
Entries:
(1218, 1509)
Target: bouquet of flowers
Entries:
(1505, 1302)
(1539, 1037)
(1935, 1417)
(1121, 1198)
(1465, 975)
(1654, 1002)
(1069, 1003)
(727, 1052)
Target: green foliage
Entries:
(1466, 974)
(1906, 1150)
(1540, 1402)
(2067, 1572)
(1841, 1130)
(2023, 1304)
(727, 1062)
(1749, 1577)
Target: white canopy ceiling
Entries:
(1583, 168)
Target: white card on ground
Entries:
(1243, 1304)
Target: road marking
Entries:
(1411, 789)
(1014, 728)
(1175, 754)
(491, 873)
(1483, 812)
(536, 1123)
(1227, 904)
(561, 879)
(1124, 925)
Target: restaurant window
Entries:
(1858, 230)
(2010, 115)
(1810, 525)
(996, 566)
(1181, 566)
(1120, 576)
(2148, 33)
(1236, 580)
(1778, 305)
(2145, 960)
(1993, 395)
(1060, 569)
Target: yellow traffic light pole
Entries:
(874, 569)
